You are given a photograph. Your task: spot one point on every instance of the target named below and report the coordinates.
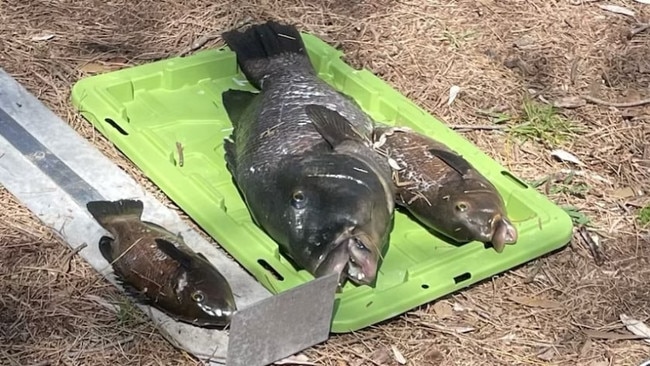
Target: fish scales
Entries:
(282, 126)
(320, 192)
(158, 268)
(442, 190)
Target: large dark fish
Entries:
(158, 268)
(329, 205)
(444, 191)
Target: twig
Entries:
(594, 248)
(581, 2)
(181, 158)
(42, 363)
(637, 103)
(11, 359)
(199, 43)
(640, 28)
(120, 343)
(68, 257)
(478, 127)
(574, 70)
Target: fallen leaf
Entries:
(464, 329)
(585, 348)
(566, 156)
(398, 355)
(600, 363)
(295, 360)
(537, 303)
(93, 67)
(609, 335)
(570, 102)
(381, 356)
(524, 42)
(393, 164)
(617, 9)
(547, 355)
(625, 192)
(643, 1)
(43, 37)
(453, 93)
(442, 309)
(588, 175)
(459, 307)
(635, 326)
(118, 60)
(433, 355)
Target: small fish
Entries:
(320, 192)
(159, 269)
(443, 190)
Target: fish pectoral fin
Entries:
(333, 126)
(235, 102)
(138, 295)
(455, 161)
(106, 248)
(172, 251)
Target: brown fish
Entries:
(158, 268)
(443, 190)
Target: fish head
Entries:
(338, 213)
(205, 294)
(474, 210)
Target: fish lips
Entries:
(212, 317)
(503, 232)
(352, 258)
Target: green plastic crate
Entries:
(146, 110)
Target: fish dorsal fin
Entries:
(455, 161)
(332, 126)
(176, 254)
(235, 102)
(104, 211)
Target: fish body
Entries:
(442, 190)
(158, 268)
(328, 207)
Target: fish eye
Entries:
(298, 199)
(198, 296)
(461, 206)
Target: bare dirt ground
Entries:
(510, 57)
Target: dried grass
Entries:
(499, 53)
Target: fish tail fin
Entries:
(103, 211)
(260, 45)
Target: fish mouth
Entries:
(503, 232)
(362, 263)
(213, 316)
(352, 259)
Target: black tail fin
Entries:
(103, 211)
(258, 46)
